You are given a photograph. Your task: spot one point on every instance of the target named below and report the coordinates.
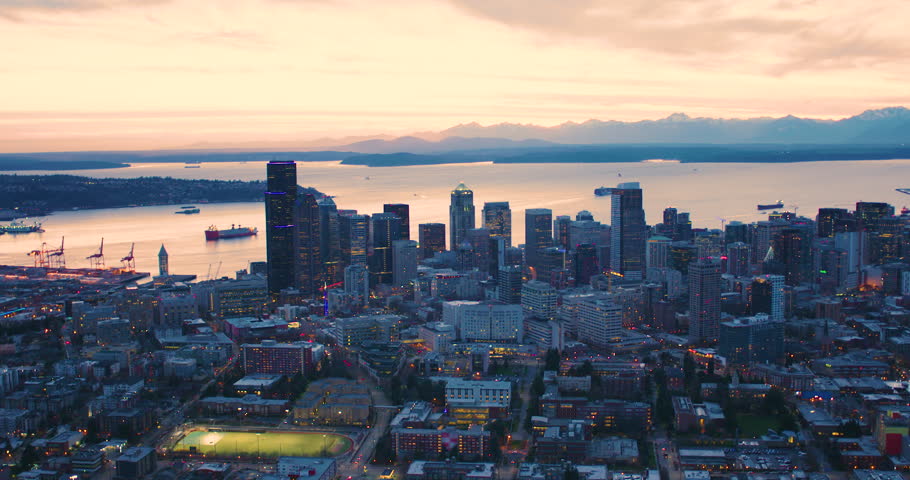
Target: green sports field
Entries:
(267, 444)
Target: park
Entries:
(265, 444)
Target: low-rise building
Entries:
(136, 462)
(250, 404)
(310, 468)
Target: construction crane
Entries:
(218, 269)
(55, 258)
(96, 260)
(129, 261)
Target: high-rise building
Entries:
(704, 300)
(162, 262)
(589, 231)
(357, 282)
(538, 232)
(280, 197)
(764, 233)
(353, 235)
(767, 296)
(584, 215)
(736, 231)
(586, 263)
(833, 220)
(404, 261)
(599, 322)
(561, 231)
(403, 212)
(491, 321)
(627, 249)
(497, 218)
(681, 255)
(461, 215)
(432, 239)
(757, 339)
(658, 252)
(868, 213)
(329, 240)
(384, 229)
(738, 256)
(479, 241)
(272, 357)
(509, 284)
(538, 300)
(790, 255)
(308, 265)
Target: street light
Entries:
(258, 450)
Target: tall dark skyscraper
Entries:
(586, 264)
(497, 218)
(738, 259)
(279, 224)
(461, 215)
(385, 228)
(308, 265)
(561, 231)
(736, 232)
(479, 239)
(509, 284)
(627, 240)
(538, 233)
(329, 240)
(403, 212)
(353, 237)
(791, 256)
(432, 239)
(704, 300)
(867, 213)
(832, 220)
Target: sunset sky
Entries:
(140, 74)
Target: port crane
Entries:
(129, 261)
(40, 256)
(55, 258)
(96, 260)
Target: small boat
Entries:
(770, 206)
(188, 211)
(602, 191)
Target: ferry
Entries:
(770, 206)
(18, 226)
(234, 232)
(188, 210)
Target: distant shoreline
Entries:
(39, 195)
(556, 154)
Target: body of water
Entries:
(712, 192)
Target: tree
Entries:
(852, 429)
(385, 452)
(571, 473)
(551, 361)
(537, 387)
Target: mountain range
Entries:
(884, 126)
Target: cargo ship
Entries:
(602, 191)
(17, 226)
(770, 206)
(234, 232)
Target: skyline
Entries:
(121, 75)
